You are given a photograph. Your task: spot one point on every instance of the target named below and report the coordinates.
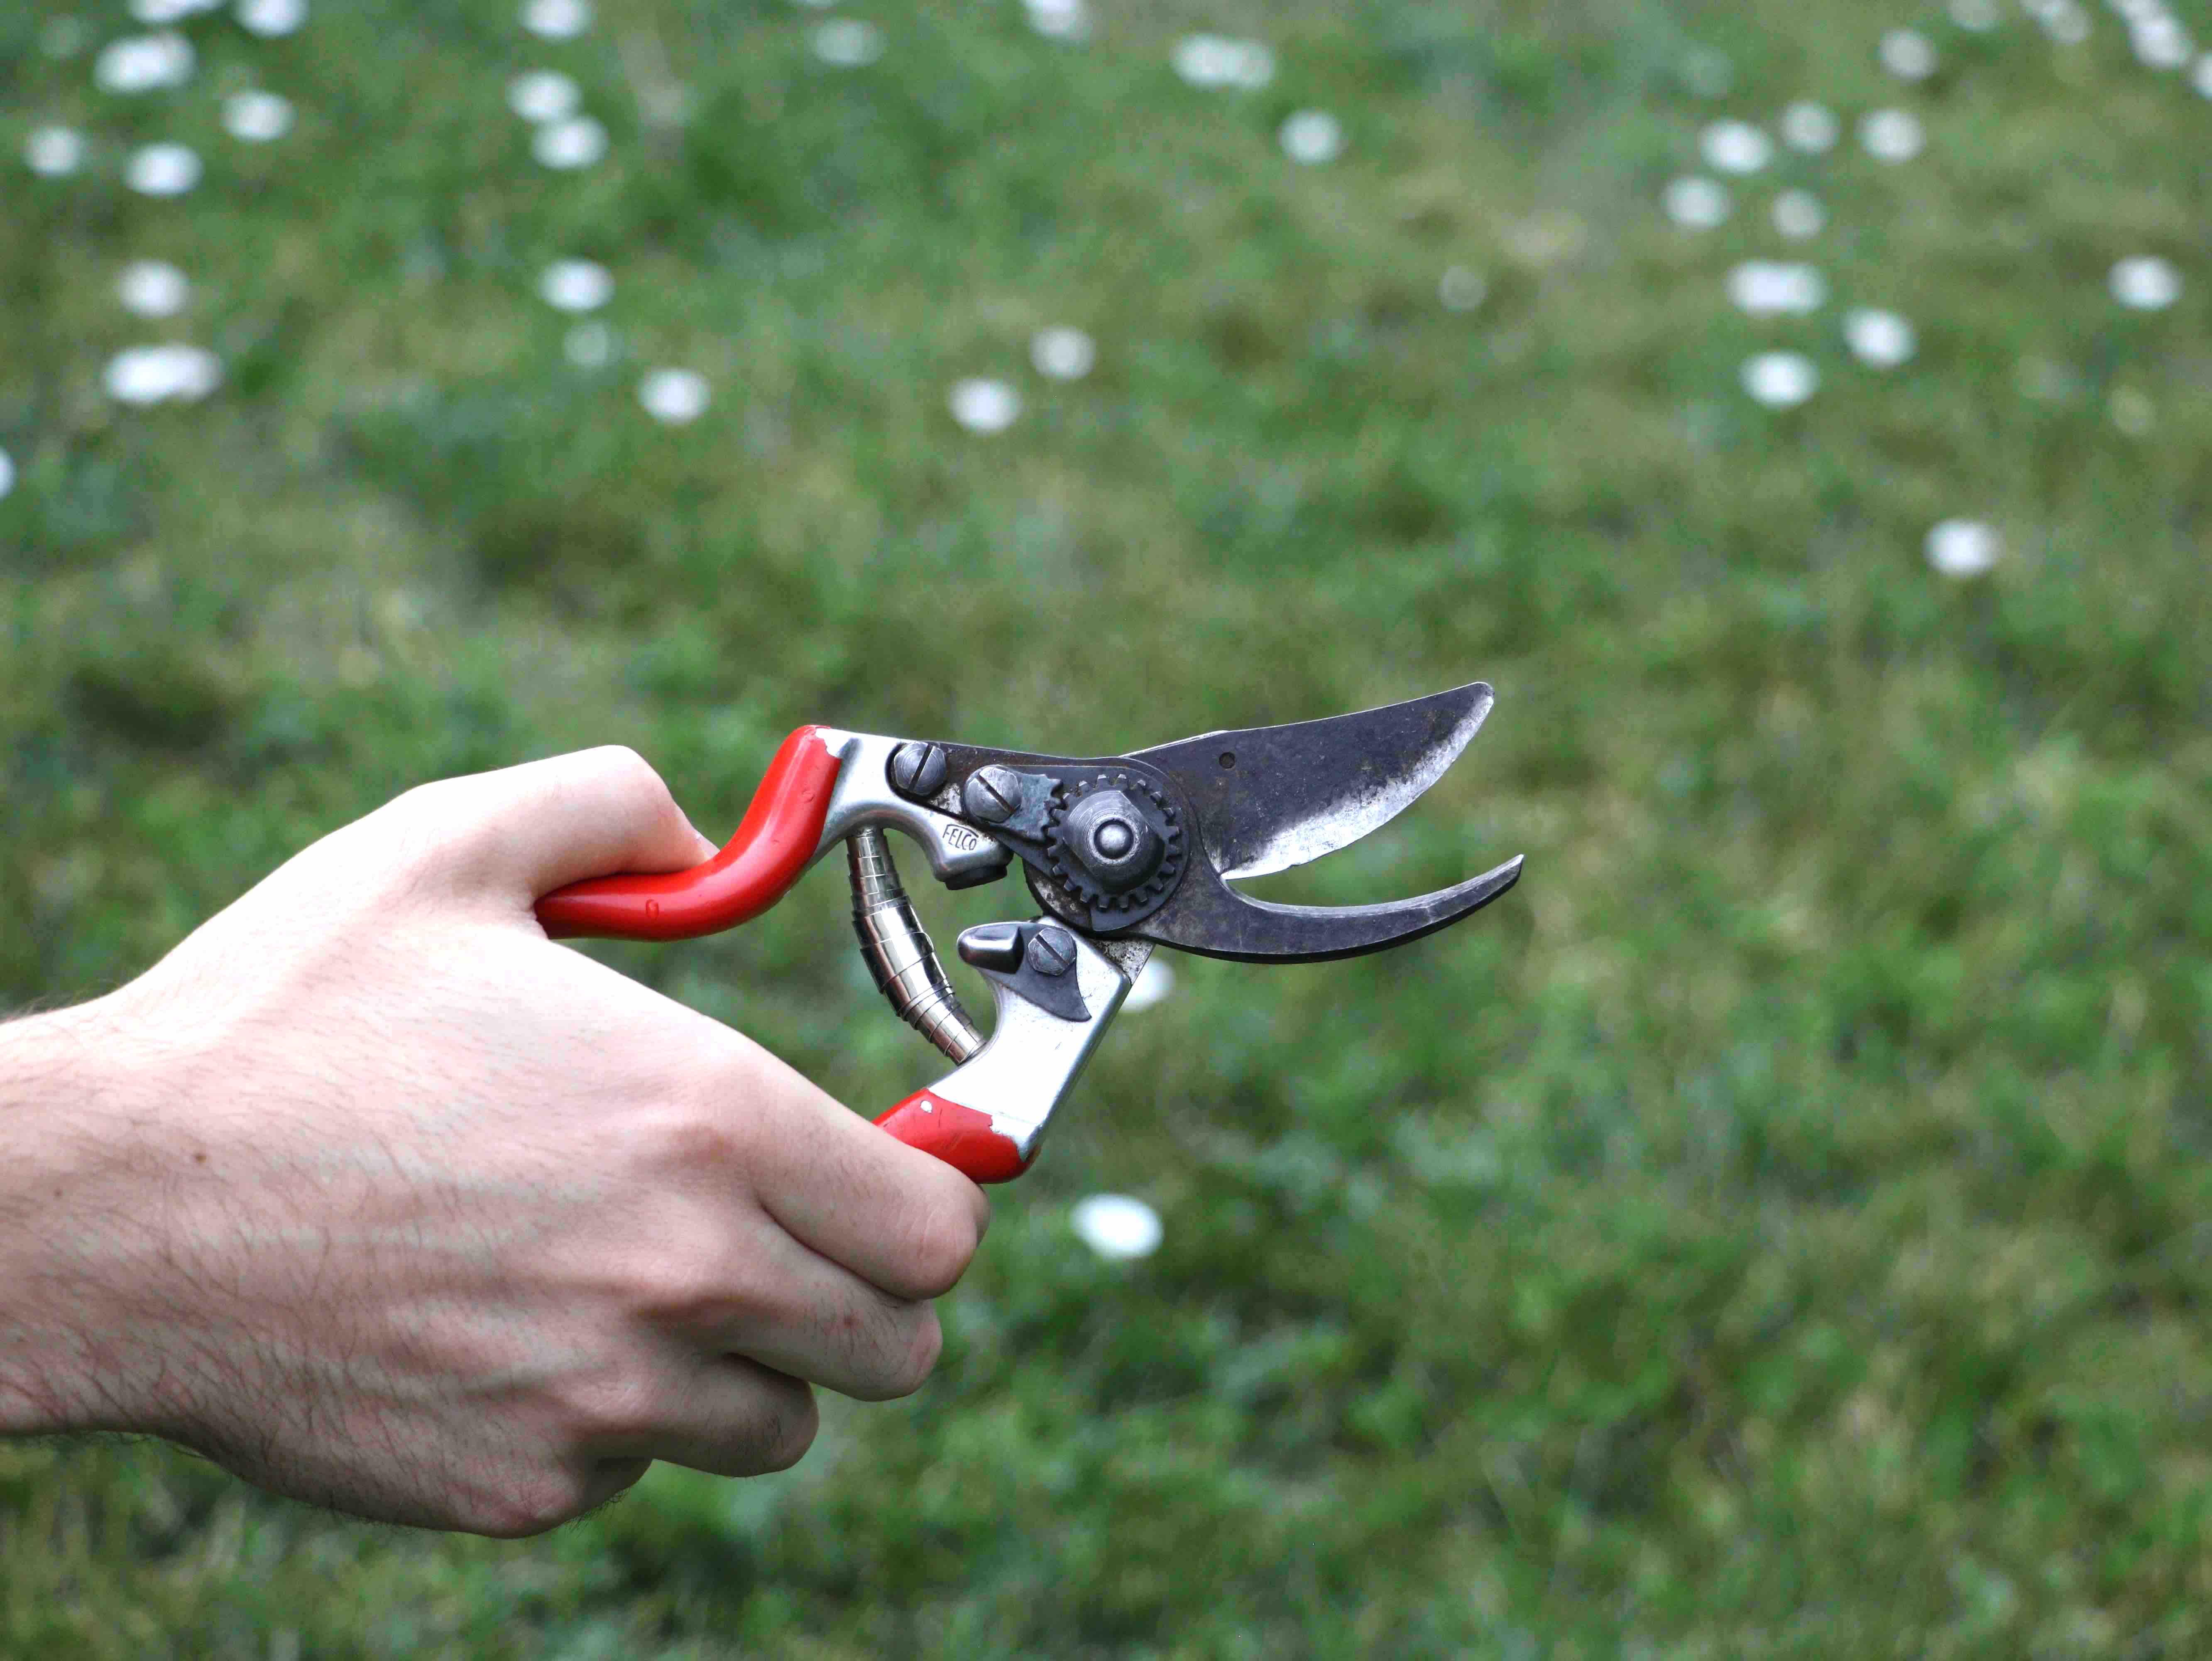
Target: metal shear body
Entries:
(1122, 853)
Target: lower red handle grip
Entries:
(781, 834)
(962, 1137)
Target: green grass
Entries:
(1775, 1230)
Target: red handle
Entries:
(962, 1137)
(778, 839)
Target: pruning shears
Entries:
(1122, 853)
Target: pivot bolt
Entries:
(992, 794)
(1052, 952)
(917, 769)
(1111, 842)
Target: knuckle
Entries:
(891, 1351)
(943, 1240)
(926, 1345)
(531, 1504)
(788, 1433)
(623, 773)
(610, 1408)
(694, 1139)
(683, 1289)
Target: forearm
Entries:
(60, 1226)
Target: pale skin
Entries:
(376, 1195)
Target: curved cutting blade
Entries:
(1209, 917)
(1268, 798)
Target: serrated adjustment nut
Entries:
(1111, 840)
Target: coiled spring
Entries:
(897, 951)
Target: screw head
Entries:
(1052, 952)
(992, 794)
(917, 770)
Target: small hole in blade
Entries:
(1228, 758)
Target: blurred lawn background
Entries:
(1779, 1228)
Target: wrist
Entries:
(65, 1130)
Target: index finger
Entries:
(901, 1219)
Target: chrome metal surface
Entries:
(960, 856)
(1030, 960)
(1033, 1057)
(897, 951)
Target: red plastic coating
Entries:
(959, 1135)
(773, 847)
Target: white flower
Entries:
(1462, 289)
(984, 406)
(1154, 982)
(1768, 287)
(1781, 381)
(1117, 1226)
(153, 287)
(7, 472)
(577, 141)
(1798, 215)
(1810, 127)
(1962, 548)
(1062, 19)
(1979, 16)
(1063, 354)
(1891, 135)
(543, 95)
(162, 170)
(1696, 203)
(2201, 76)
(141, 63)
(1735, 147)
(270, 18)
(2146, 283)
(2064, 23)
(2160, 42)
(576, 285)
(848, 43)
(1312, 137)
(257, 118)
(160, 375)
(169, 11)
(1908, 54)
(556, 20)
(1214, 60)
(1879, 339)
(675, 397)
(51, 152)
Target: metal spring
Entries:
(898, 953)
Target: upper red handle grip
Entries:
(774, 844)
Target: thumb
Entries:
(531, 829)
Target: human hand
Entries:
(381, 1199)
